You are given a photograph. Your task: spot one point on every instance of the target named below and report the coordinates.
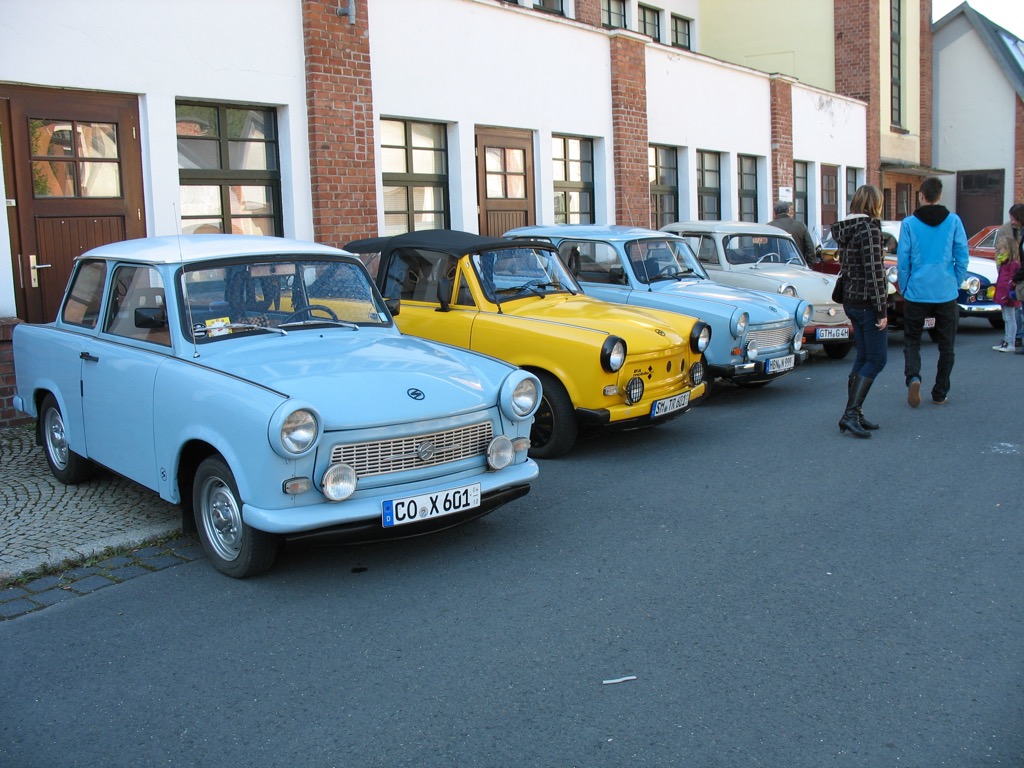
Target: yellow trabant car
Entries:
(600, 364)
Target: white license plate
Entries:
(415, 509)
(833, 333)
(929, 322)
(780, 364)
(669, 404)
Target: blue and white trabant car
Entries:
(262, 384)
(756, 337)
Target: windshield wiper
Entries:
(246, 327)
(533, 286)
(321, 321)
(671, 275)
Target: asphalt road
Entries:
(766, 591)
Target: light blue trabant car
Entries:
(756, 337)
(262, 384)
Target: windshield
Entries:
(761, 249)
(279, 294)
(666, 259)
(514, 273)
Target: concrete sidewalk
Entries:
(44, 523)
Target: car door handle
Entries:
(89, 358)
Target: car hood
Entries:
(983, 267)
(343, 373)
(645, 330)
(815, 287)
(703, 298)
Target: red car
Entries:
(983, 243)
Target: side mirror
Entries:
(617, 275)
(150, 317)
(394, 306)
(444, 292)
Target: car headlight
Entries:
(700, 337)
(787, 290)
(798, 341)
(972, 285)
(892, 275)
(753, 350)
(613, 354)
(500, 452)
(739, 324)
(804, 313)
(519, 396)
(339, 482)
(294, 429)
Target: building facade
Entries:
(331, 121)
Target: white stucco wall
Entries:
(974, 107)
(197, 49)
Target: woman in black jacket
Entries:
(864, 300)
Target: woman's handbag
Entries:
(837, 291)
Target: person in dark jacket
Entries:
(784, 220)
(931, 264)
(864, 300)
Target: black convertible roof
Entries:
(448, 241)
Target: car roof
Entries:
(185, 249)
(590, 231)
(727, 227)
(448, 241)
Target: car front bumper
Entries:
(754, 369)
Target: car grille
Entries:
(769, 338)
(414, 452)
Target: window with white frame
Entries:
(414, 157)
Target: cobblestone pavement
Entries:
(46, 525)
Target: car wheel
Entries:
(66, 465)
(554, 425)
(838, 351)
(233, 547)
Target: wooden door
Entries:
(829, 195)
(979, 199)
(505, 197)
(73, 167)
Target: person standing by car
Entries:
(1007, 250)
(931, 263)
(784, 220)
(864, 300)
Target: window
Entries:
(681, 32)
(896, 55)
(228, 169)
(613, 13)
(800, 191)
(573, 174)
(138, 311)
(709, 186)
(82, 306)
(904, 194)
(650, 22)
(747, 188)
(851, 186)
(71, 158)
(662, 171)
(414, 157)
(554, 6)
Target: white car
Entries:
(766, 258)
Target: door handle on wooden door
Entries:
(34, 269)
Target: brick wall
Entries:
(589, 12)
(857, 61)
(782, 134)
(926, 82)
(339, 98)
(629, 127)
(8, 416)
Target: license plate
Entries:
(415, 509)
(669, 404)
(929, 322)
(780, 364)
(833, 333)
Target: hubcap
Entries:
(56, 441)
(222, 518)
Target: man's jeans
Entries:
(946, 315)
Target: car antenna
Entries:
(184, 288)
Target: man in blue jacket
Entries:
(931, 262)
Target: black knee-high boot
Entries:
(859, 389)
(863, 422)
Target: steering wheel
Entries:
(308, 310)
(772, 257)
(669, 269)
